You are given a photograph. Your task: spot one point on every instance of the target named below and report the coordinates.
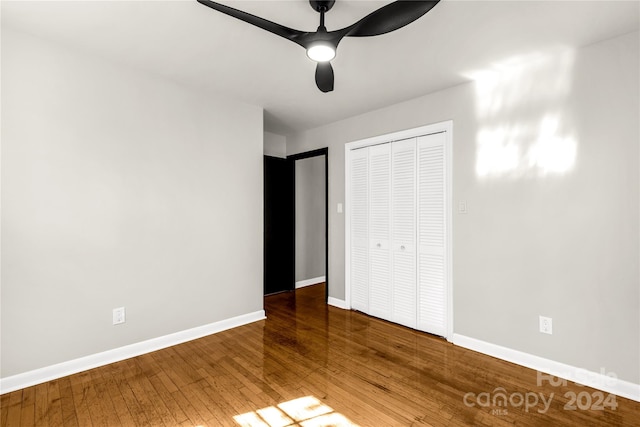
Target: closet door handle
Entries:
(402, 247)
(378, 245)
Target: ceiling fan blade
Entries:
(390, 18)
(299, 37)
(324, 76)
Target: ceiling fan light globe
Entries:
(321, 52)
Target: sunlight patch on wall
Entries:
(522, 128)
(306, 411)
(553, 152)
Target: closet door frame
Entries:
(446, 127)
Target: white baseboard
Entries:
(597, 380)
(48, 373)
(340, 303)
(309, 282)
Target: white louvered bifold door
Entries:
(403, 226)
(359, 229)
(379, 230)
(432, 250)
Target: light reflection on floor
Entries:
(306, 411)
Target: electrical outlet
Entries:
(546, 325)
(118, 315)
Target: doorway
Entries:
(296, 251)
(279, 232)
(311, 217)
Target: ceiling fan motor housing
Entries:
(322, 5)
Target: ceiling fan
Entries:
(321, 45)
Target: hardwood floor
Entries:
(317, 366)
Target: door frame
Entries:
(300, 156)
(447, 127)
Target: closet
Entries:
(398, 227)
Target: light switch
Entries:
(462, 207)
(339, 207)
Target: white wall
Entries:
(275, 145)
(310, 218)
(545, 152)
(120, 189)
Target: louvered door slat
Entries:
(359, 220)
(379, 223)
(403, 166)
(432, 296)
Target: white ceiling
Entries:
(199, 47)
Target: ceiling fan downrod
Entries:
(322, 7)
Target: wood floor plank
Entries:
(164, 394)
(79, 389)
(160, 407)
(187, 405)
(215, 384)
(120, 408)
(55, 404)
(28, 406)
(4, 407)
(42, 405)
(69, 415)
(221, 411)
(370, 371)
(167, 385)
(14, 408)
(125, 388)
(193, 386)
(98, 409)
(359, 407)
(103, 393)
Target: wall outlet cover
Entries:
(546, 325)
(118, 315)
